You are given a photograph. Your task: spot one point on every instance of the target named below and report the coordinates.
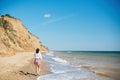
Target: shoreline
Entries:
(105, 70)
(20, 67)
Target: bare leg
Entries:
(39, 69)
(35, 69)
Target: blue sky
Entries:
(70, 24)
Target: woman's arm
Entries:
(41, 56)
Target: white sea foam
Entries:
(49, 54)
(59, 60)
(72, 75)
(48, 57)
(61, 68)
(64, 71)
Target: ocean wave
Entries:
(49, 54)
(59, 60)
(54, 59)
(61, 68)
(64, 71)
(72, 75)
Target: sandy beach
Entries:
(20, 67)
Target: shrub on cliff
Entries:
(8, 15)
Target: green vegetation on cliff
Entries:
(8, 15)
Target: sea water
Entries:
(82, 65)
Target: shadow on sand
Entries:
(27, 73)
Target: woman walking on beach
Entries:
(37, 60)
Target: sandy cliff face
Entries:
(15, 37)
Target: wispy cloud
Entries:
(48, 15)
(57, 20)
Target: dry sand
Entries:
(20, 67)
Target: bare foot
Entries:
(38, 74)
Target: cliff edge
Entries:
(14, 37)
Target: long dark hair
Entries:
(37, 50)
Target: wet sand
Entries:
(20, 67)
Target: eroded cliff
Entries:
(14, 37)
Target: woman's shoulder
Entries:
(37, 53)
